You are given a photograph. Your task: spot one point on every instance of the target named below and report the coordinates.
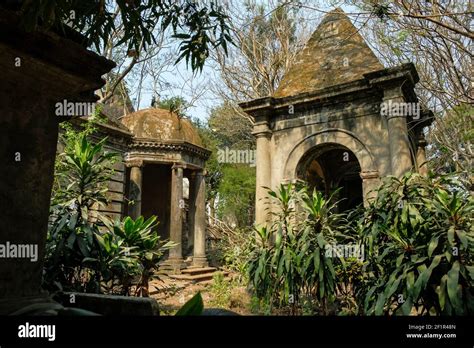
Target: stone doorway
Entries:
(156, 196)
(331, 167)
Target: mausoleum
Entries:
(339, 119)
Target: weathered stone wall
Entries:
(39, 69)
(354, 121)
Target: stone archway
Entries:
(334, 170)
(328, 141)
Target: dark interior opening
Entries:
(330, 167)
(156, 196)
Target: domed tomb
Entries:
(166, 153)
(161, 125)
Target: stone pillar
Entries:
(421, 156)
(370, 183)
(33, 81)
(400, 155)
(263, 178)
(192, 211)
(135, 189)
(199, 201)
(176, 218)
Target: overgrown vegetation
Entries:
(85, 251)
(420, 246)
(288, 266)
(417, 237)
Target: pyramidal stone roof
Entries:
(336, 53)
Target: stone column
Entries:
(370, 182)
(135, 189)
(400, 155)
(199, 201)
(263, 178)
(176, 218)
(33, 81)
(192, 211)
(421, 156)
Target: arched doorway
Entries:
(333, 166)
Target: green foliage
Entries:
(288, 265)
(213, 167)
(420, 242)
(230, 128)
(142, 244)
(232, 186)
(235, 249)
(418, 239)
(451, 142)
(237, 194)
(221, 291)
(83, 170)
(198, 27)
(80, 255)
(178, 105)
(194, 306)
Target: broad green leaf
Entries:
(194, 306)
(432, 246)
(380, 304)
(463, 238)
(424, 277)
(441, 291)
(451, 235)
(410, 281)
(407, 306)
(452, 286)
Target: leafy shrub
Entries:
(420, 240)
(288, 265)
(233, 250)
(221, 291)
(82, 174)
(142, 244)
(79, 255)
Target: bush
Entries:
(420, 239)
(82, 172)
(288, 265)
(143, 245)
(79, 256)
(417, 237)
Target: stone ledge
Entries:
(110, 305)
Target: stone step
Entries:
(196, 278)
(198, 270)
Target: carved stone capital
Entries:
(134, 163)
(262, 129)
(178, 165)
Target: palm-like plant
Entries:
(139, 235)
(288, 265)
(82, 175)
(420, 240)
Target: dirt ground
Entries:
(171, 294)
